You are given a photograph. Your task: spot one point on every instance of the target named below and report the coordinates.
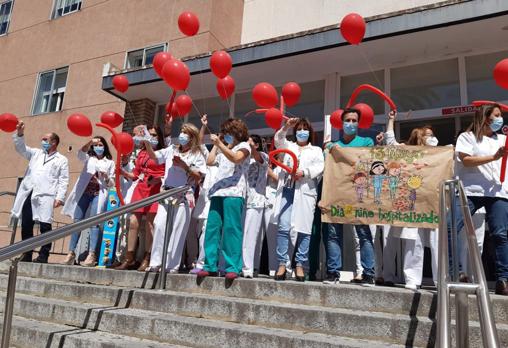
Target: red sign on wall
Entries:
(468, 109)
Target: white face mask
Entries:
(431, 141)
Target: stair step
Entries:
(28, 333)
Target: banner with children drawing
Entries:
(395, 185)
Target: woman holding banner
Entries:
(296, 195)
(479, 152)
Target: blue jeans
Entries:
(86, 202)
(497, 219)
(303, 240)
(334, 243)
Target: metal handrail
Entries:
(448, 282)
(15, 250)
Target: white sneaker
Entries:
(413, 287)
(248, 274)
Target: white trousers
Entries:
(201, 258)
(181, 221)
(479, 226)
(251, 238)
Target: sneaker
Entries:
(248, 274)
(367, 281)
(153, 269)
(90, 261)
(413, 287)
(332, 279)
(70, 259)
(380, 281)
(231, 275)
(502, 287)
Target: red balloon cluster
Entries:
(265, 95)
(159, 60)
(501, 73)
(121, 83)
(80, 125)
(352, 28)
(176, 74)
(221, 64)
(111, 118)
(188, 23)
(8, 122)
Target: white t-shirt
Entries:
(231, 179)
(176, 176)
(482, 180)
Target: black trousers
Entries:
(27, 229)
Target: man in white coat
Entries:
(43, 187)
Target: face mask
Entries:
(431, 141)
(99, 150)
(496, 124)
(183, 139)
(228, 138)
(350, 128)
(154, 141)
(302, 135)
(45, 145)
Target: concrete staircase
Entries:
(72, 306)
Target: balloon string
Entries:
(370, 67)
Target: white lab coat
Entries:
(47, 177)
(311, 162)
(91, 166)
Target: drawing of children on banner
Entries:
(377, 175)
(360, 182)
(394, 171)
(414, 182)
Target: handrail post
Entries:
(462, 320)
(443, 296)
(452, 194)
(9, 302)
(487, 322)
(167, 234)
(14, 229)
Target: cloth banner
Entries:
(387, 185)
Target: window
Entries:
(426, 86)
(349, 83)
(65, 7)
(50, 91)
(5, 15)
(143, 56)
(480, 84)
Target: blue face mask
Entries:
(45, 145)
(496, 124)
(99, 150)
(350, 128)
(228, 138)
(154, 142)
(183, 139)
(137, 140)
(302, 135)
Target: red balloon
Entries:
(8, 122)
(121, 83)
(272, 155)
(159, 60)
(176, 74)
(352, 28)
(183, 105)
(221, 64)
(291, 92)
(225, 87)
(367, 115)
(80, 125)
(336, 119)
(265, 95)
(188, 23)
(501, 73)
(124, 143)
(112, 119)
(273, 118)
